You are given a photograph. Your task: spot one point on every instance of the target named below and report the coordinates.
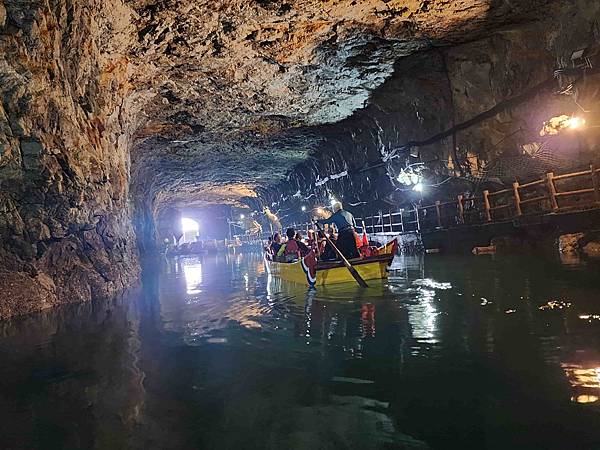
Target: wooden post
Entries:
(517, 198)
(461, 210)
(596, 184)
(552, 191)
(486, 205)
(439, 213)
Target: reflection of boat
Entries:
(310, 272)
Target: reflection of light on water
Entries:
(333, 324)
(585, 399)
(554, 304)
(429, 283)
(582, 377)
(269, 287)
(423, 315)
(193, 277)
(589, 317)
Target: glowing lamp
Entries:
(575, 122)
(418, 187)
(242, 216)
(303, 208)
(559, 123)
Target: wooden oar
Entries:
(349, 266)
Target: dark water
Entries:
(452, 353)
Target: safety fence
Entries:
(568, 192)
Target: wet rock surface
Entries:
(487, 99)
(112, 111)
(65, 224)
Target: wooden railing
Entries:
(550, 194)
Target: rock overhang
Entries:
(239, 92)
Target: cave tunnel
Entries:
(151, 149)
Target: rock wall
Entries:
(65, 225)
(496, 91)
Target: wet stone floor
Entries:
(473, 352)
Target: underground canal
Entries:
(353, 224)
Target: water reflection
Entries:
(71, 378)
(214, 353)
(193, 277)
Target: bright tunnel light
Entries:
(188, 225)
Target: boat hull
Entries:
(302, 272)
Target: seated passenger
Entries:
(275, 244)
(290, 250)
(304, 250)
(327, 251)
(311, 239)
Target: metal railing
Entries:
(402, 221)
(551, 194)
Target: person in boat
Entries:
(325, 250)
(345, 223)
(304, 249)
(275, 244)
(267, 247)
(290, 250)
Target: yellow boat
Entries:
(310, 272)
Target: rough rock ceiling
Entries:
(233, 92)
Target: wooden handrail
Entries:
(496, 208)
(475, 208)
(503, 191)
(533, 183)
(579, 192)
(571, 175)
(534, 199)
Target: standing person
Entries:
(345, 223)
